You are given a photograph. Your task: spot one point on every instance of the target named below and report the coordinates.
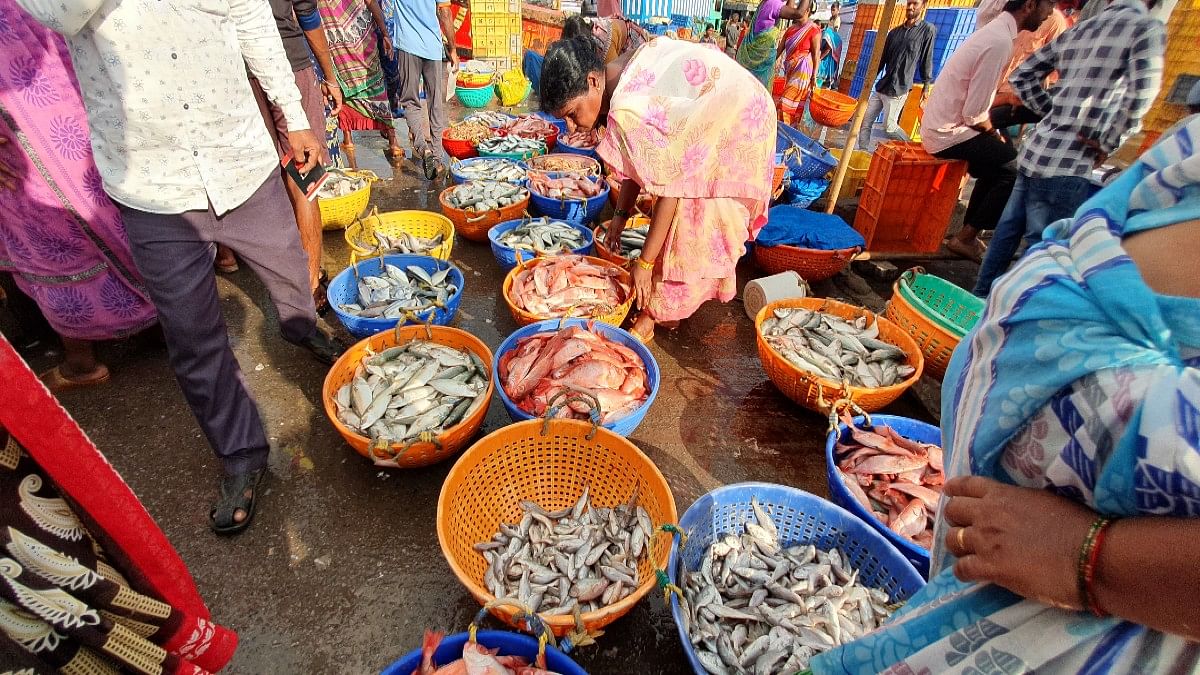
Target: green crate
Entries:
(953, 308)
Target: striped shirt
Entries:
(1110, 69)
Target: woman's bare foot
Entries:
(643, 328)
(61, 378)
(226, 262)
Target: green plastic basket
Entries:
(515, 156)
(474, 97)
(953, 308)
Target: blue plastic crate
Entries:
(801, 519)
(951, 21)
(804, 157)
(840, 495)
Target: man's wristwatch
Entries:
(620, 213)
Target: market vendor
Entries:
(694, 133)
(759, 47)
(1066, 539)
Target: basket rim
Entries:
(511, 277)
(906, 293)
(603, 248)
(417, 330)
(813, 252)
(484, 446)
(388, 216)
(916, 356)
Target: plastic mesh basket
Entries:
(805, 157)
(802, 519)
(509, 644)
(343, 289)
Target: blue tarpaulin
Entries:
(795, 226)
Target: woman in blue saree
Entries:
(831, 52)
(1067, 541)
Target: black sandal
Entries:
(233, 497)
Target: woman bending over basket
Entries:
(1068, 541)
(690, 128)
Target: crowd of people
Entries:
(139, 155)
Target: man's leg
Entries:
(874, 105)
(892, 107)
(409, 67)
(1006, 239)
(1052, 199)
(434, 73)
(992, 163)
(174, 253)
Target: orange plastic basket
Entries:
(602, 249)
(614, 316)
(936, 343)
(811, 264)
(831, 108)
(818, 393)
(474, 225)
(420, 453)
(549, 462)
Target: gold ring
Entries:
(962, 544)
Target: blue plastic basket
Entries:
(802, 518)
(807, 158)
(561, 146)
(510, 644)
(344, 290)
(506, 256)
(623, 426)
(474, 97)
(574, 211)
(840, 495)
(459, 179)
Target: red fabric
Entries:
(351, 120)
(34, 417)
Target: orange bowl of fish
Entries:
(550, 463)
(474, 225)
(573, 276)
(603, 251)
(420, 453)
(818, 393)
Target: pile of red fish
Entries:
(564, 187)
(585, 140)
(476, 660)
(568, 285)
(897, 479)
(528, 126)
(574, 360)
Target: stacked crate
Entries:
(908, 199)
(1181, 68)
(954, 25)
(496, 32)
(954, 19)
(866, 18)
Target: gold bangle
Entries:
(643, 264)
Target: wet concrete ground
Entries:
(341, 570)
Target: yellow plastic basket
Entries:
(513, 87)
(338, 212)
(361, 234)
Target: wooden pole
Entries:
(885, 24)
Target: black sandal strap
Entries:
(233, 497)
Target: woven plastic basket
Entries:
(550, 463)
(338, 212)
(343, 289)
(571, 210)
(562, 161)
(811, 264)
(839, 494)
(563, 147)
(804, 156)
(361, 234)
(515, 156)
(550, 138)
(474, 97)
(623, 426)
(508, 257)
(801, 519)
(457, 167)
(420, 453)
(458, 148)
(613, 316)
(509, 644)
(817, 393)
(831, 108)
(474, 225)
(936, 313)
(513, 87)
(601, 230)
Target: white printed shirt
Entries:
(174, 123)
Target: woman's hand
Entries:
(1025, 540)
(643, 284)
(612, 237)
(8, 175)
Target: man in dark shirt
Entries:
(908, 45)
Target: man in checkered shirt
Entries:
(1110, 70)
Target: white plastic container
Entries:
(761, 292)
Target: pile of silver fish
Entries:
(503, 170)
(420, 386)
(391, 294)
(543, 235)
(340, 184)
(582, 556)
(758, 606)
(407, 243)
(489, 118)
(836, 349)
(511, 145)
(632, 241)
(485, 195)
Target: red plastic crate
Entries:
(908, 199)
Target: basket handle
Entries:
(843, 404)
(410, 317)
(573, 395)
(661, 579)
(476, 219)
(524, 618)
(390, 461)
(909, 275)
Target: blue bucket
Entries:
(459, 179)
(506, 256)
(623, 426)
(840, 495)
(571, 210)
(801, 518)
(344, 290)
(509, 644)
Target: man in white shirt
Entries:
(956, 122)
(183, 151)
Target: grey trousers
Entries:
(175, 253)
(426, 120)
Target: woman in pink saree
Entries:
(60, 236)
(688, 125)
